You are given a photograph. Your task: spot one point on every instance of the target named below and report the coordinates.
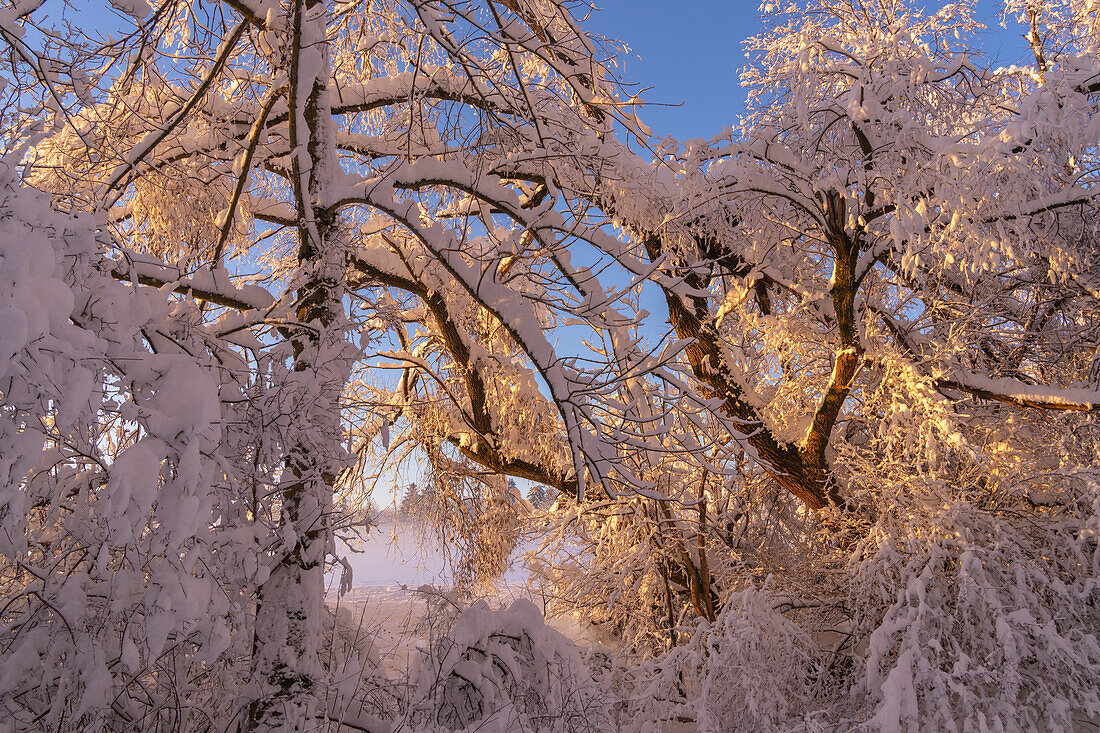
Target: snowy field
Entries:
(387, 568)
(390, 571)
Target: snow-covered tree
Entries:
(280, 248)
(273, 186)
(538, 496)
(410, 500)
(895, 315)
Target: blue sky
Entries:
(692, 55)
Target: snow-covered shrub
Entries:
(753, 669)
(756, 667)
(124, 570)
(988, 624)
(506, 670)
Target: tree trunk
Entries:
(285, 664)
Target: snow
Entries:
(136, 9)
(185, 404)
(13, 332)
(1078, 398)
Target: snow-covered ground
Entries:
(389, 570)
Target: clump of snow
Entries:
(752, 669)
(136, 9)
(506, 670)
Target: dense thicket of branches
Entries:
(259, 255)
